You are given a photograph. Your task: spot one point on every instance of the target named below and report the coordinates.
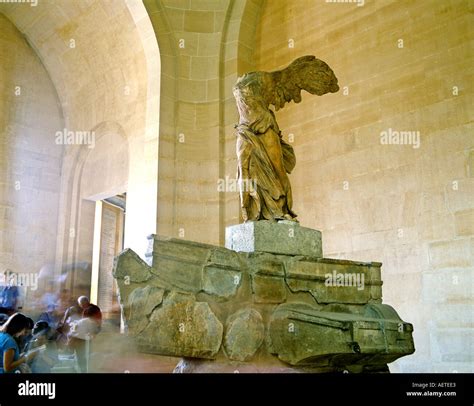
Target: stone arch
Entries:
(95, 85)
(79, 186)
(236, 56)
(200, 104)
(170, 66)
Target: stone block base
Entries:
(284, 237)
(275, 306)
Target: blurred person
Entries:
(26, 337)
(3, 318)
(84, 330)
(9, 295)
(71, 315)
(65, 300)
(13, 328)
(50, 316)
(46, 359)
(90, 311)
(73, 312)
(50, 297)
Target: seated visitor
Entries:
(25, 338)
(47, 358)
(10, 358)
(90, 311)
(71, 315)
(50, 316)
(83, 330)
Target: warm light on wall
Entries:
(96, 252)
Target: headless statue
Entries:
(264, 158)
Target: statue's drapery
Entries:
(264, 158)
(270, 195)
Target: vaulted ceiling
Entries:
(97, 54)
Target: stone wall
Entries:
(30, 166)
(204, 46)
(404, 66)
(103, 60)
(99, 73)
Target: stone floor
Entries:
(116, 353)
(112, 352)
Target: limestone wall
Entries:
(100, 70)
(168, 116)
(104, 62)
(204, 46)
(404, 66)
(30, 165)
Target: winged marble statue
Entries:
(264, 158)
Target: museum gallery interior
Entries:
(237, 186)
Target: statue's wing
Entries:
(305, 73)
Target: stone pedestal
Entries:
(262, 306)
(284, 237)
